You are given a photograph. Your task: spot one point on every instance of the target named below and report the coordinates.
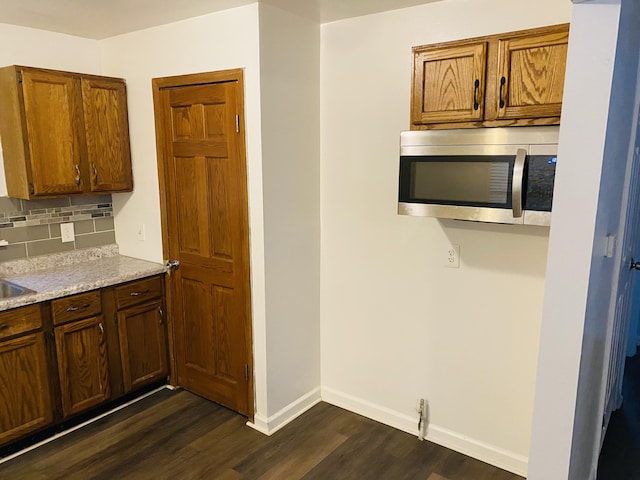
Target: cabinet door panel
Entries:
(82, 364)
(55, 131)
(142, 345)
(107, 132)
(25, 400)
(533, 69)
(448, 84)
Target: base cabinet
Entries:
(83, 368)
(62, 358)
(25, 400)
(142, 345)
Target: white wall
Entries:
(395, 324)
(37, 48)
(290, 106)
(223, 40)
(594, 139)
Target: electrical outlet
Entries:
(67, 232)
(452, 258)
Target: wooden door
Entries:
(530, 80)
(201, 156)
(25, 400)
(107, 132)
(143, 345)
(448, 84)
(55, 131)
(83, 368)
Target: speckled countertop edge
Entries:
(89, 273)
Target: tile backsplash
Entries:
(32, 227)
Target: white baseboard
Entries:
(491, 454)
(275, 422)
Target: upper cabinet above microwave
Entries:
(514, 78)
(63, 133)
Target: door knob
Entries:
(173, 264)
(634, 265)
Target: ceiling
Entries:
(99, 19)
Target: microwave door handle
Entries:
(516, 185)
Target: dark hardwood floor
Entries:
(620, 456)
(177, 435)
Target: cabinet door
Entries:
(55, 131)
(82, 364)
(448, 84)
(107, 133)
(25, 400)
(530, 79)
(143, 346)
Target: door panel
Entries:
(533, 70)
(25, 400)
(55, 131)
(448, 84)
(83, 369)
(205, 197)
(107, 133)
(143, 347)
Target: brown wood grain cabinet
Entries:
(25, 394)
(142, 345)
(142, 332)
(63, 133)
(61, 358)
(81, 349)
(514, 78)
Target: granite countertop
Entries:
(61, 275)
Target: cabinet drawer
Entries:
(20, 320)
(76, 307)
(137, 292)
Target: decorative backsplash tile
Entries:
(32, 227)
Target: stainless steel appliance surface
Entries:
(497, 175)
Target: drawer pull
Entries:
(137, 294)
(4, 326)
(81, 307)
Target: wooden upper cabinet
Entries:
(54, 131)
(530, 77)
(515, 78)
(63, 133)
(449, 84)
(104, 101)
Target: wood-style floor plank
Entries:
(175, 434)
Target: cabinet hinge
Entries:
(237, 123)
(31, 189)
(19, 77)
(246, 372)
(115, 318)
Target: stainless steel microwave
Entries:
(498, 175)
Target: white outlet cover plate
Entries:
(67, 232)
(452, 256)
